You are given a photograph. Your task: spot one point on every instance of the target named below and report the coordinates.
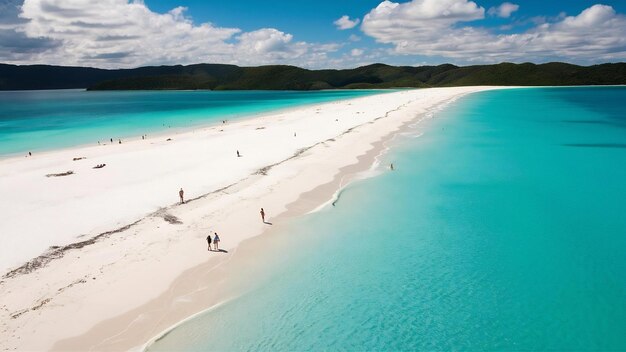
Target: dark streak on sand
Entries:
(171, 219)
(213, 192)
(263, 171)
(56, 252)
(20, 312)
(43, 302)
(168, 217)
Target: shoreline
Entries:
(306, 203)
(367, 163)
(243, 116)
(137, 144)
(57, 250)
(200, 126)
(302, 188)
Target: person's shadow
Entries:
(267, 223)
(219, 250)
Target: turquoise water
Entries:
(44, 120)
(502, 228)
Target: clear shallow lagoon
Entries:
(44, 120)
(502, 228)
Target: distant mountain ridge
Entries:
(282, 77)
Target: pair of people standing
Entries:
(215, 240)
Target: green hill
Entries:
(282, 77)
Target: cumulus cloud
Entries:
(116, 32)
(439, 28)
(424, 27)
(15, 45)
(122, 33)
(356, 52)
(269, 45)
(344, 22)
(504, 10)
(126, 33)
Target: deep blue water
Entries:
(503, 227)
(44, 120)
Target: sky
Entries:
(311, 34)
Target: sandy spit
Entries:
(129, 262)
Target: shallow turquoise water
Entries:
(44, 120)
(502, 228)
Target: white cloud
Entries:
(437, 28)
(356, 52)
(119, 33)
(344, 22)
(126, 33)
(409, 14)
(504, 10)
(418, 21)
(268, 45)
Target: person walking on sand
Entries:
(238, 155)
(216, 242)
(181, 194)
(208, 239)
(263, 215)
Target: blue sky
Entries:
(127, 33)
(313, 20)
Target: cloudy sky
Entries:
(314, 34)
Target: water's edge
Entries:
(326, 195)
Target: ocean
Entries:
(32, 121)
(501, 228)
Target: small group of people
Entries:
(99, 166)
(215, 240)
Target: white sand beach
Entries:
(119, 260)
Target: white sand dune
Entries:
(117, 291)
